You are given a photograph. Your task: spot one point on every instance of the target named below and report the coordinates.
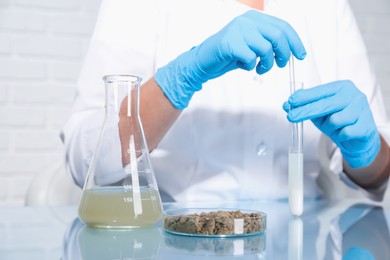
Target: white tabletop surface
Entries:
(328, 228)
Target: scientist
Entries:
(216, 87)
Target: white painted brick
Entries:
(64, 70)
(37, 141)
(373, 19)
(377, 42)
(380, 62)
(52, 160)
(91, 5)
(22, 20)
(372, 7)
(11, 203)
(386, 98)
(22, 117)
(84, 46)
(3, 94)
(60, 4)
(3, 237)
(384, 81)
(374, 23)
(20, 164)
(58, 116)
(4, 140)
(5, 44)
(19, 187)
(54, 157)
(11, 69)
(44, 95)
(42, 45)
(73, 24)
(4, 3)
(384, 76)
(3, 194)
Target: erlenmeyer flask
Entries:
(120, 190)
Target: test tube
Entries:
(295, 157)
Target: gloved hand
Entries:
(341, 112)
(237, 45)
(357, 253)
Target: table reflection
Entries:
(82, 242)
(295, 238)
(203, 246)
(326, 230)
(360, 232)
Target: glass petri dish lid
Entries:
(214, 222)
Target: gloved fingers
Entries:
(242, 44)
(325, 100)
(286, 106)
(344, 89)
(280, 44)
(363, 129)
(243, 55)
(321, 122)
(231, 53)
(279, 32)
(247, 65)
(305, 96)
(360, 154)
(262, 48)
(319, 108)
(357, 148)
(266, 58)
(345, 117)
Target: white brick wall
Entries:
(42, 45)
(373, 18)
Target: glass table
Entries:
(326, 230)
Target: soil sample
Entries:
(219, 222)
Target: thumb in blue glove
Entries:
(341, 112)
(249, 36)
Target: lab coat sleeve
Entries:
(353, 63)
(124, 41)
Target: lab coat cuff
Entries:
(336, 166)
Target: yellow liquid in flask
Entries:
(115, 207)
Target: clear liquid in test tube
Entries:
(295, 162)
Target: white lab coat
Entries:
(231, 143)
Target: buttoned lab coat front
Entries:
(231, 143)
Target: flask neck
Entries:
(122, 94)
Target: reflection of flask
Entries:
(121, 189)
(140, 243)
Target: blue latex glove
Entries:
(357, 253)
(341, 112)
(238, 45)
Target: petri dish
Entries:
(214, 222)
